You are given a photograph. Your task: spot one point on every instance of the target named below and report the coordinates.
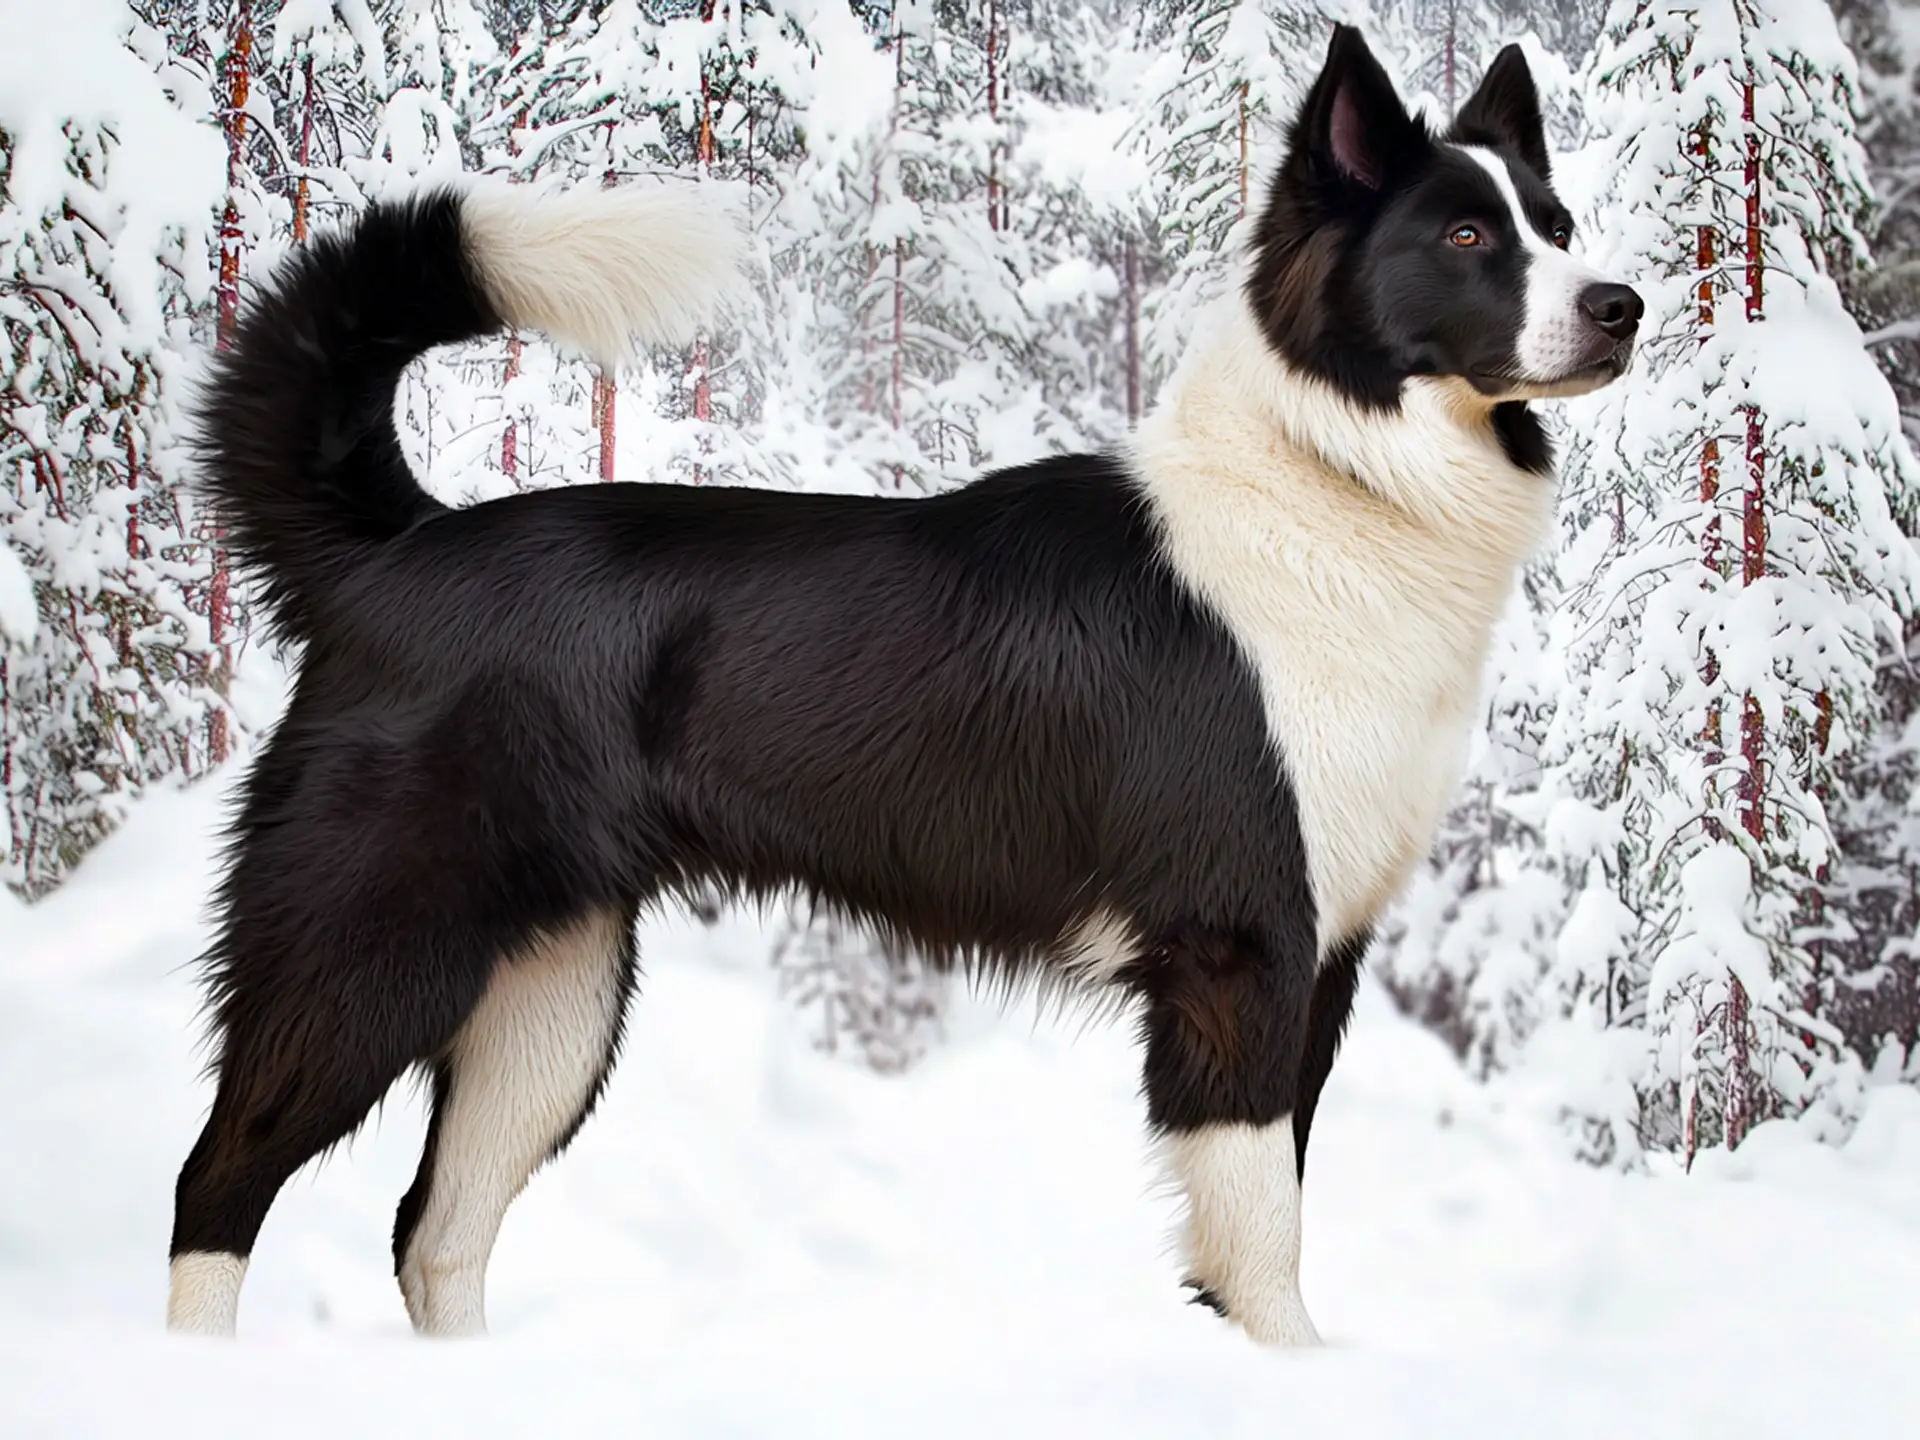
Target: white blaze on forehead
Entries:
(1554, 336)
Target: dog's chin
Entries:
(1584, 381)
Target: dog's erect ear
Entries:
(1352, 127)
(1505, 110)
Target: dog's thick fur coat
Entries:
(1177, 720)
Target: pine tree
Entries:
(1878, 812)
(108, 669)
(1735, 510)
(1229, 73)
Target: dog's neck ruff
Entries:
(1360, 560)
(1437, 459)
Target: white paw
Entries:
(444, 1298)
(1281, 1320)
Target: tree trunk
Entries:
(125, 625)
(1690, 1097)
(1705, 248)
(899, 340)
(1453, 17)
(700, 362)
(1753, 732)
(1243, 148)
(993, 113)
(234, 118)
(899, 267)
(1132, 302)
(14, 847)
(510, 437)
(306, 153)
(603, 407)
(239, 64)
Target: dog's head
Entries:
(1386, 252)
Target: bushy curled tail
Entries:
(301, 462)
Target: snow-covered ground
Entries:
(752, 1240)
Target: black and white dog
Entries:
(1177, 720)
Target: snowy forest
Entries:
(1680, 888)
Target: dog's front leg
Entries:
(1226, 1029)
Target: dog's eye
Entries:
(1563, 235)
(1464, 235)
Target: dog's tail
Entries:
(301, 462)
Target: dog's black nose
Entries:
(1615, 310)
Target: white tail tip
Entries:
(603, 268)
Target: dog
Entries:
(1172, 723)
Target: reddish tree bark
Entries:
(239, 67)
(1753, 730)
(133, 505)
(700, 363)
(1754, 517)
(306, 152)
(1705, 248)
(603, 398)
(1243, 148)
(510, 437)
(234, 118)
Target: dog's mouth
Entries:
(1583, 380)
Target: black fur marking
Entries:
(1349, 150)
(1224, 1027)
(1327, 1017)
(414, 1203)
(1203, 1294)
(1523, 437)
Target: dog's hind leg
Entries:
(317, 1020)
(509, 1092)
(1225, 1028)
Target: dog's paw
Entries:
(1204, 1294)
(1282, 1321)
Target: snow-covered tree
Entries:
(1734, 575)
(108, 674)
(1228, 75)
(1441, 48)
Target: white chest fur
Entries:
(1365, 610)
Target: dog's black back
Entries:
(970, 720)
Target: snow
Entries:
(752, 1239)
(19, 613)
(166, 169)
